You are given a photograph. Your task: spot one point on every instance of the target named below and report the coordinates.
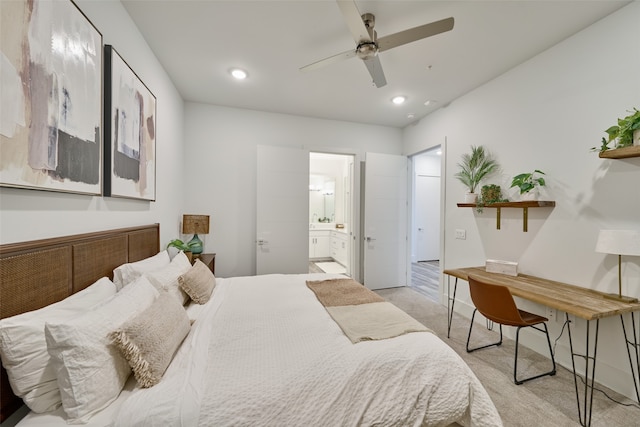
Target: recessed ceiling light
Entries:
(411, 116)
(430, 102)
(239, 74)
(398, 99)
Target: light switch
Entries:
(461, 234)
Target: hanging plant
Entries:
(622, 133)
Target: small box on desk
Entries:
(503, 267)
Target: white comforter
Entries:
(264, 352)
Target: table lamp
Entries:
(619, 242)
(195, 224)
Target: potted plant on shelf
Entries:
(625, 134)
(529, 183)
(489, 194)
(475, 167)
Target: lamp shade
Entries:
(619, 242)
(195, 224)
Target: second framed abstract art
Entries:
(130, 131)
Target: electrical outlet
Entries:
(461, 234)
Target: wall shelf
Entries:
(621, 153)
(524, 205)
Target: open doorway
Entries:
(425, 223)
(331, 213)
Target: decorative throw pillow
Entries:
(23, 347)
(149, 340)
(127, 273)
(166, 278)
(198, 282)
(91, 371)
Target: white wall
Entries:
(220, 172)
(30, 214)
(546, 114)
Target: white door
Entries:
(385, 221)
(428, 217)
(282, 210)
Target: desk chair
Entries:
(496, 303)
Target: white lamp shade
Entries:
(619, 242)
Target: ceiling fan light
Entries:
(239, 74)
(398, 99)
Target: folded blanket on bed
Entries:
(361, 313)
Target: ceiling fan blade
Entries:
(413, 34)
(354, 21)
(375, 69)
(330, 60)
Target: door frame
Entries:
(410, 212)
(354, 227)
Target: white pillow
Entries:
(91, 371)
(127, 273)
(166, 278)
(24, 350)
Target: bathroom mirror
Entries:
(321, 198)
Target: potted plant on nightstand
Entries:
(625, 134)
(528, 183)
(179, 244)
(475, 167)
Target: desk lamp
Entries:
(619, 242)
(194, 224)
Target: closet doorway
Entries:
(331, 244)
(425, 223)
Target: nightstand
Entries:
(209, 260)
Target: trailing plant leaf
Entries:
(603, 147)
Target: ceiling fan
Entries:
(368, 44)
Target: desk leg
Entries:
(584, 410)
(450, 303)
(632, 346)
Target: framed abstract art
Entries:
(130, 132)
(50, 97)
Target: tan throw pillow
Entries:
(150, 340)
(198, 282)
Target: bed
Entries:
(261, 350)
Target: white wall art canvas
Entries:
(130, 131)
(50, 97)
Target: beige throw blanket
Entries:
(361, 313)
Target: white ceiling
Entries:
(197, 42)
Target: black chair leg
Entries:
(469, 350)
(515, 365)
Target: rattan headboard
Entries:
(41, 272)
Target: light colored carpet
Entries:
(331, 267)
(544, 402)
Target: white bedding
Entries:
(264, 352)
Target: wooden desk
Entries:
(583, 303)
